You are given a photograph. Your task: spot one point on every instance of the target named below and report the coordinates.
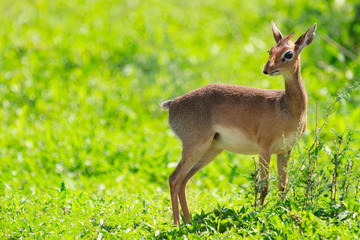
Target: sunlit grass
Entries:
(85, 150)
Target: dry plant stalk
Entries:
(336, 167)
(346, 184)
(357, 189)
(313, 162)
(256, 186)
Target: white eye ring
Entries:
(286, 58)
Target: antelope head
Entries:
(285, 55)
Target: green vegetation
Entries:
(85, 150)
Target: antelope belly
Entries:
(233, 140)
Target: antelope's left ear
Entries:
(305, 39)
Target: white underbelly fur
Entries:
(233, 140)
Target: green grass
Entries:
(85, 150)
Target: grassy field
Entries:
(86, 151)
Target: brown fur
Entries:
(240, 119)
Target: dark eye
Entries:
(289, 55)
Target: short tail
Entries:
(166, 105)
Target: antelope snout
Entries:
(266, 68)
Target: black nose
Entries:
(265, 72)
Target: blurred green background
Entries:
(81, 83)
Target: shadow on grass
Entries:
(280, 220)
(218, 221)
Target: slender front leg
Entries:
(264, 160)
(282, 162)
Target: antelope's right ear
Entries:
(276, 32)
(305, 39)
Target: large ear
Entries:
(276, 32)
(305, 39)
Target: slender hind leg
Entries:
(191, 154)
(211, 153)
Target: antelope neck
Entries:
(295, 92)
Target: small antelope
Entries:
(242, 120)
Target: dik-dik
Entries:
(242, 120)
